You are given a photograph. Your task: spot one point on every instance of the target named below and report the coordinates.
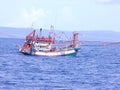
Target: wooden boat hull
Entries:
(71, 52)
(60, 53)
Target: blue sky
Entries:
(63, 14)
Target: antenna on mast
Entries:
(52, 27)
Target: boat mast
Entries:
(40, 32)
(75, 38)
(52, 32)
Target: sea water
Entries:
(95, 67)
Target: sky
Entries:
(69, 15)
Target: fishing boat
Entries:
(48, 45)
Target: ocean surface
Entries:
(95, 67)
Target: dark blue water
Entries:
(94, 68)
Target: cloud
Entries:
(28, 17)
(104, 1)
(68, 14)
(108, 1)
(33, 15)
